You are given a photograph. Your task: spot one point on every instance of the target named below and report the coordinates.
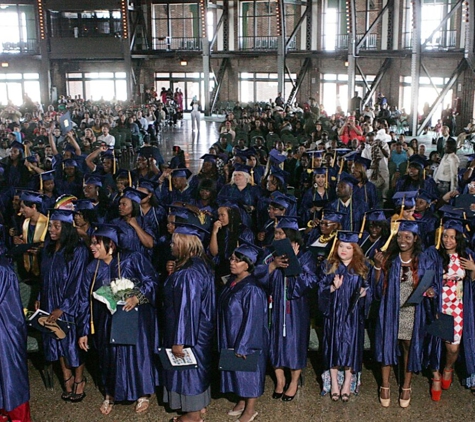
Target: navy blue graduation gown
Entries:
(168, 197)
(387, 325)
(128, 371)
(61, 282)
(367, 193)
(242, 326)
(248, 196)
(353, 213)
(371, 248)
(343, 333)
(190, 309)
(309, 197)
(155, 219)
(129, 239)
(429, 186)
(14, 386)
(429, 226)
(290, 313)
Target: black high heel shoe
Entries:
(277, 396)
(285, 397)
(75, 397)
(66, 394)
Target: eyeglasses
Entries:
(327, 223)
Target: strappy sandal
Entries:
(384, 402)
(66, 394)
(335, 396)
(106, 406)
(78, 397)
(142, 405)
(446, 383)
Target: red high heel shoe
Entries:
(435, 394)
(444, 382)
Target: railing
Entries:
(177, 43)
(29, 47)
(263, 43)
(442, 40)
(370, 42)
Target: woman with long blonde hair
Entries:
(344, 298)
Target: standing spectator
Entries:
(446, 175)
(442, 140)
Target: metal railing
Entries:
(440, 41)
(263, 43)
(370, 43)
(177, 43)
(28, 47)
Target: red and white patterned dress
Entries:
(452, 295)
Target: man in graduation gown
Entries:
(14, 387)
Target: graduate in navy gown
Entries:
(190, 309)
(290, 317)
(63, 268)
(350, 205)
(455, 269)
(375, 233)
(344, 298)
(85, 217)
(416, 179)
(400, 326)
(318, 194)
(94, 191)
(242, 326)
(136, 235)
(364, 189)
(174, 187)
(14, 387)
(128, 372)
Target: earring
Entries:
(315, 185)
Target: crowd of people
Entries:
(287, 221)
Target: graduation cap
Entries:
(276, 157)
(208, 158)
(280, 174)
(363, 161)
(342, 151)
(410, 226)
(377, 215)
(443, 327)
(320, 170)
(242, 167)
(93, 179)
(315, 154)
(347, 236)
(190, 230)
(70, 163)
(281, 199)
(151, 152)
(124, 175)
(31, 196)
(65, 123)
(470, 157)
(285, 222)
(451, 211)
(69, 148)
(181, 173)
(83, 204)
(418, 160)
(284, 247)
(249, 250)
(405, 199)
(348, 178)
(251, 152)
(32, 158)
(65, 216)
(134, 195)
(47, 175)
(110, 231)
(455, 224)
(333, 216)
(426, 196)
(17, 145)
(65, 202)
(150, 185)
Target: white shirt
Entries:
(448, 170)
(109, 140)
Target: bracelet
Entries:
(377, 268)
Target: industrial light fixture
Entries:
(4, 64)
(125, 23)
(183, 62)
(41, 20)
(346, 64)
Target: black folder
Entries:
(125, 326)
(284, 247)
(418, 294)
(228, 361)
(443, 327)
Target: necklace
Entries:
(404, 262)
(326, 239)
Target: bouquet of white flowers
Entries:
(116, 294)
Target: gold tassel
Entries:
(252, 177)
(438, 234)
(394, 230)
(43, 236)
(114, 164)
(402, 207)
(362, 226)
(333, 246)
(326, 178)
(130, 178)
(41, 183)
(313, 161)
(170, 187)
(467, 227)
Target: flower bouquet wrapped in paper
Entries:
(116, 293)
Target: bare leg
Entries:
(67, 376)
(249, 410)
(346, 387)
(385, 373)
(405, 393)
(78, 378)
(240, 405)
(294, 383)
(452, 355)
(191, 416)
(280, 380)
(335, 388)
